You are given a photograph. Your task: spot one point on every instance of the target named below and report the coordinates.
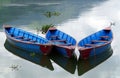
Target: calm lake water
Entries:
(78, 18)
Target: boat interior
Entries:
(60, 38)
(25, 36)
(99, 38)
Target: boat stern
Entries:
(46, 49)
(84, 52)
(70, 52)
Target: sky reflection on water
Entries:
(98, 18)
(88, 22)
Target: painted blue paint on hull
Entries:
(95, 43)
(27, 47)
(62, 42)
(98, 50)
(27, 41)
(61, 51)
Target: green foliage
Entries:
(50, 14)
(32, 54)
(56, 13)
(46, 27)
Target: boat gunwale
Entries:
(64, 33)
(81, 48)
(66, 47)
(25, 42)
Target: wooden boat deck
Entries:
(25, 36)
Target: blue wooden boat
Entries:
(63, 43)
(96, 43)
(41, 60)
(27, 41)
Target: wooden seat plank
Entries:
(59, 40)
(104, 36)
(99, 41)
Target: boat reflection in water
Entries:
(68, 64)
(41, 60)
(86, 65)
